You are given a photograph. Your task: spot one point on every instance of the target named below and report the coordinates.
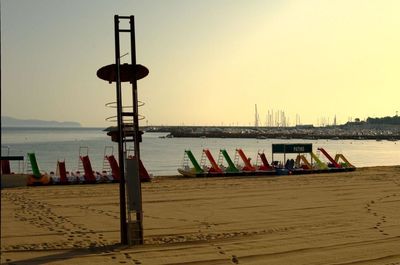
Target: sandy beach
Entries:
(343, 218)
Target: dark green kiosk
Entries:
(291, 149)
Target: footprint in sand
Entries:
(219, 248)
(128, 258)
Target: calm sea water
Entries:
(162, 156)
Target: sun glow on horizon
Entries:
(210, 62)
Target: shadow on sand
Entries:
(67, 254)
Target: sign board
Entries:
(12, 158)
(291, 148)
(133, 185)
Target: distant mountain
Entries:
(13, 122)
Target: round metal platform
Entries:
(109, 72)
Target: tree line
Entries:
(384, 120)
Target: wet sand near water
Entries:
(343, 218)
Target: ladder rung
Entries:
(127, 125)
(124, 30)
(127, 113)
(124, 17)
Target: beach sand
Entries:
(343, 218)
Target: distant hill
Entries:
(13, 122)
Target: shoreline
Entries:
(160, 156)
(19, 180)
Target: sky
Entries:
(210, 61)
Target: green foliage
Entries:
(384, 120)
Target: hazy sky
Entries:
(210, 61)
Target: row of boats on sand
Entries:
(305, 161)
(84, 175)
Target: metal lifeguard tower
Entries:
(127, 131)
